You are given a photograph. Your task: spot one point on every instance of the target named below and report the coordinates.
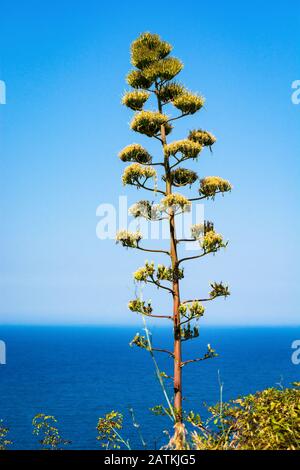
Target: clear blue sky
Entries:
(64, 65)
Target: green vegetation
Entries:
(4, 442)
(45, 427)
(267, 420)
(109, 428)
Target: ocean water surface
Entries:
(78, 374)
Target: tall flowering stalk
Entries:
(153, 77)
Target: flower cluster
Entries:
(202, 137)
(162, 273)
(145, 209)
(168, 274)
(189, 103)
(140, 341)
(136, 79)
(212, 242)
(108, 428)
(164, 69)
(183, 176)
(135, 100)
(135, 153)
(198, 230)
(4, 442)
(186, 147)
(128, 239)
(148, 48)
(196, 309)
(44, 426)
(149, 54)
(192, 310)
(139, 306)
(210, 353)
(219, 290)
(170, 91)
(149, 123)
(135, 172)
(176, 202)
(189, 332)
(211, 185)
(142, 274)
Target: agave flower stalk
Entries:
(153, 79)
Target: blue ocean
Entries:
(78, 374)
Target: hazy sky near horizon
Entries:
(64, 65)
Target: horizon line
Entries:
(127, 325)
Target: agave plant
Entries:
(153, 77)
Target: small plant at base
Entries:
(45, 426)
(4, 442)
(267, 420)
(109, 429)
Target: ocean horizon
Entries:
(78, 373)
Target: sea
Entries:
(78, 374)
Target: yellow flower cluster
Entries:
(128, 239)
(189, 103)
(148, 48)
(183, 176)
(136, 79)
(170, 91)
(176, 201)
(140, 341)
(143, 273)
(135, 99)
(165, 273)
(165, 69)
(145, 209)
(149, 123)
(135, 153)
(219, 290)
(211, 185)
(186, 147)
(192, 310)
(135, 172)
(149, 54)
(212, 242)
(196, 309)
(140, 306)
(202, 137)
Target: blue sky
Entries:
(64, 65)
